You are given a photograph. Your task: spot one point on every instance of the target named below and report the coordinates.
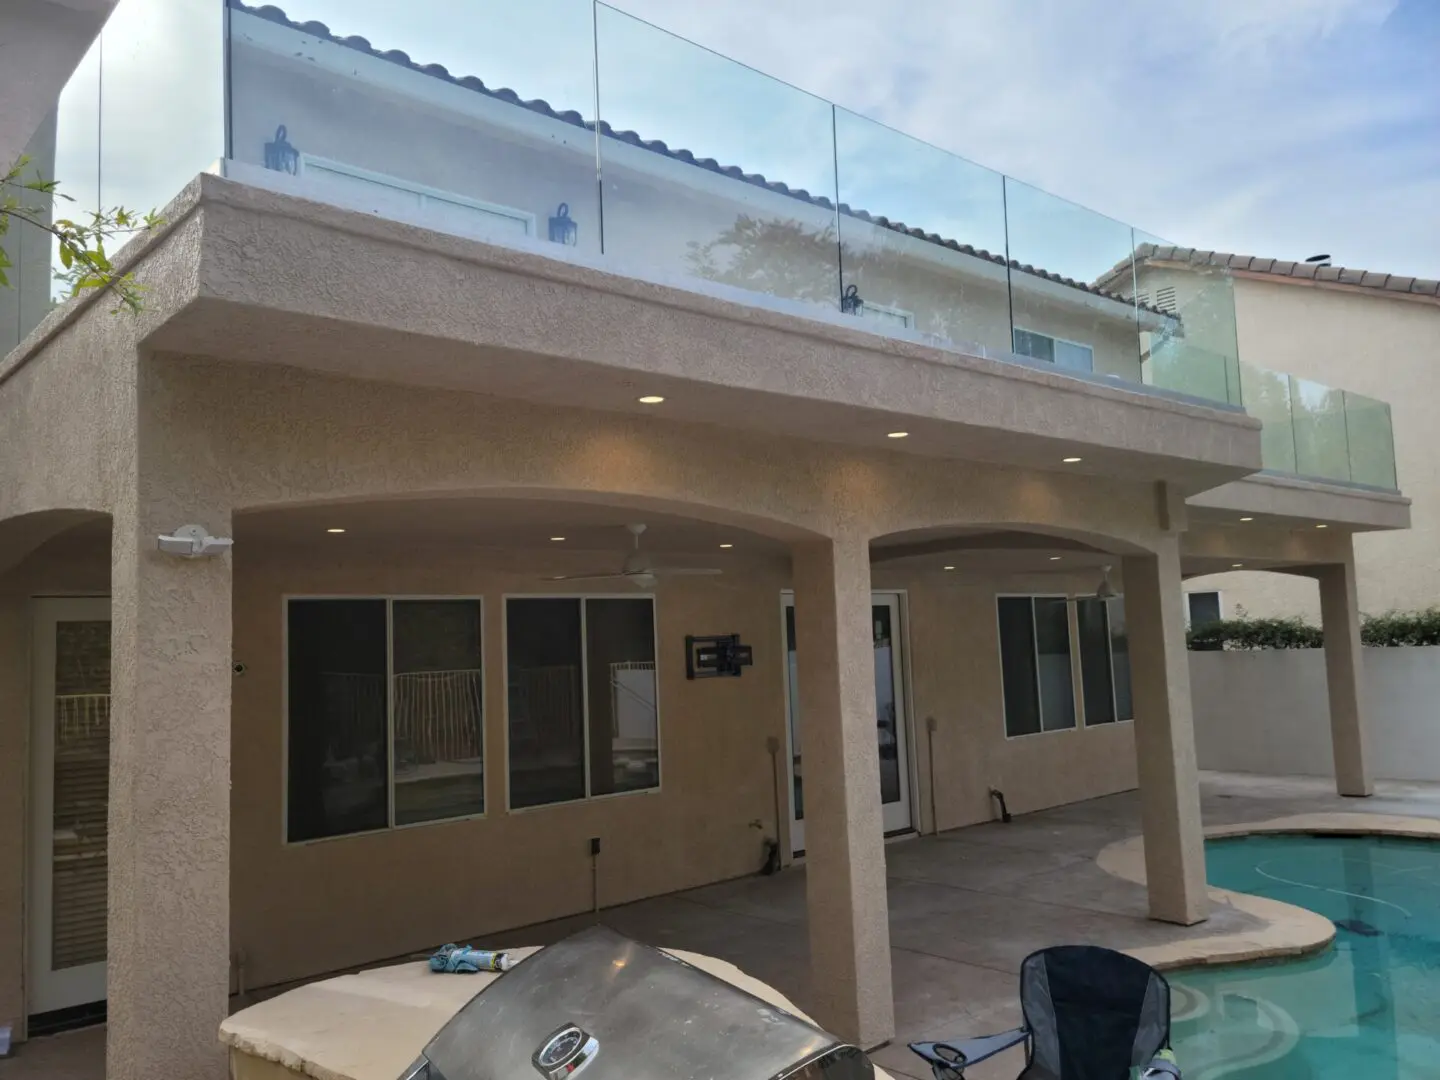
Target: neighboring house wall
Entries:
(661, 215)
(1287, 688)
(1382, 347)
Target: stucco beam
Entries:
(1288, 499)
(287, 281)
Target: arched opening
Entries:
(1019, 666)
(512, 674)
(54, 761)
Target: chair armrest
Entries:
(1161, 1066)
(957, 1055)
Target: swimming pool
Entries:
(1368, 1009)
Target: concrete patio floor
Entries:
(966, 907)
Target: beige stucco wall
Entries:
(294, 908)
(1382, 348)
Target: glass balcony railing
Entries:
(569, 125)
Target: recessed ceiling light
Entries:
(949, 568)
(557, 538)
(1247, 519)
(898, 435)
(1071, 460)
(650, 399)
(1322, 526)
(1054, 558)
(727, 545)
(334, 530)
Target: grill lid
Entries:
(614, 1009)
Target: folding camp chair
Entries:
(1090, 1014)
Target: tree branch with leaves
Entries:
(84, 263)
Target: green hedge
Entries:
(1245, 633)
(1394, 628)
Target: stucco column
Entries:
(844, 833)
(1340, 617)
(1165, 736)
(169, 895)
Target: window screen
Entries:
(1204, 607)
(582, 692)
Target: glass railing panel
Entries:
(66, 148)
(1266, 396)
(1072, 283)
(1321, 446)
(712, 170)
(1372, 441)
(162, 99)
(1187, 337)
(467, 117)
(922, 237)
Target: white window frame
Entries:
(1110, 653)
(505, 599)
(886, 309)
(1035, 663)
(1077, 687)
(1054, 340)
(424, 192)
(390, 826)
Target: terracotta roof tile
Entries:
(1365, 279)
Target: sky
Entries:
(1279, 128)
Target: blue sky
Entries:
(1271, 127)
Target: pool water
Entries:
(1367, 1009)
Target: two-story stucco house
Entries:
(426, 349)
(1319, 326)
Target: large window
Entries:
(385, 714)
(1038, 640)
(1074, 355)
(581, 692)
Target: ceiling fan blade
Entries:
(613, 575)
(684, 571)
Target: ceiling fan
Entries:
(638, 569)
(1103, 591)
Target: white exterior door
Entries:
(70, 803)
(892, 737)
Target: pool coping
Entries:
(1285, 930)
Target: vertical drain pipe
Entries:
(595, 875)
(930, 726)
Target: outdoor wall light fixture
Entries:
(949, 568)
(1071, 460)
(336, 529)
(563, 229)
(193, 542)
(557, 539)
(727, 545)
(1054, 558)
(650, 399)
(1247, 519)
(280, 155)
(1237, 566)
(1322, 526)
(898, 435)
